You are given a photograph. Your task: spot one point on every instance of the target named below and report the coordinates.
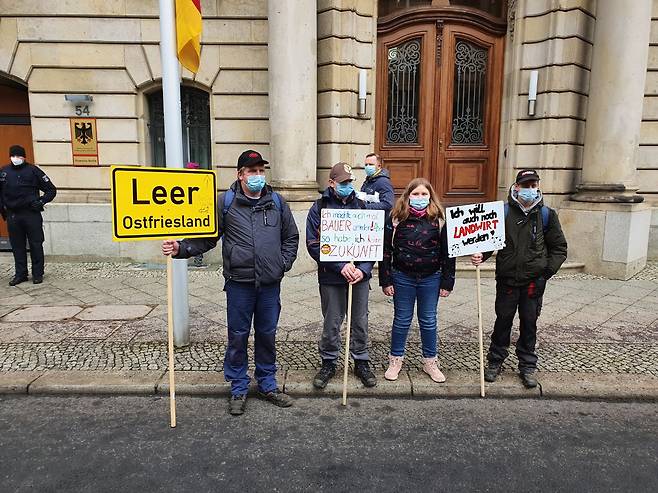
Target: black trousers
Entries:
(508, 300)
(26, 227)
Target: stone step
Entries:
(466, 270)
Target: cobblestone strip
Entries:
(83, 355)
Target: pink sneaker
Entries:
(431, 367)
(394, 367)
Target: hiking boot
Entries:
(17, 280)
(529, 379)
(394, 367)
(431, 367)
(492, 371)
(237, 404)
(365, 374)
(277, 398)
(325, 374)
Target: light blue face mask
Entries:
(255, 183)
(528, 195)
(420, 203)
(370, 169)
(344, 190)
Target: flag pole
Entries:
(174, 157)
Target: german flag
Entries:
(188, 33)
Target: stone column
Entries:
(292, 56)
(606, 225)
(616, 97)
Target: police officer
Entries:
(21, 204)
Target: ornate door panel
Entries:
(405, 111)
(468, 125)
(439, 87)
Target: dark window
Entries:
(469, 93)
(195, 118)
(403, 92)
(493, 7)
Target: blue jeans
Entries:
(411, 290)
(245, 303)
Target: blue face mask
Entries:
(419, 204)
(370, 169)
(344, 190)
(255, 183)
(528, 194)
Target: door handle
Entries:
(440, 145)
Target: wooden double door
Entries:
(439, 87)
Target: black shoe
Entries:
(277, 398)
(492, 371)
(37, 280)
(17, 280)
(237, 404)
(325, 374)
(363, 371)
(529, 379)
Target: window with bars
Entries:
(195, 118)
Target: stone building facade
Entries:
(282, 77)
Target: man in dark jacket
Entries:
(260, 241)
(21, 203)
(535, 248)
(334, 278)
(377, 190)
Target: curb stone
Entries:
(298, 383)
(96, 382)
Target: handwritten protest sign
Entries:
(475, 228)
(351, 235)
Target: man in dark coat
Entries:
(377, 191)
(535, 248)
(260, 241)
(21, 203)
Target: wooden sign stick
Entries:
(477, 275)
(170, 343)
(347, 342)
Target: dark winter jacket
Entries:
(379, 182)
(21, 187)
(529, 253)
(260, 241)
(329, 272)
(417, 247)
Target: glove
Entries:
(536, 288)
(36, 205)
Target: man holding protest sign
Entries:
(260, 241)
(334, 278)
(535, 248)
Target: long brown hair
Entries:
(400, 210)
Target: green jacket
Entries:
(530, 253)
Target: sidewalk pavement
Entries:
(101, 327)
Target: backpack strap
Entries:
(229, 196)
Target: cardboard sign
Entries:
(84, 141)
(151, 203)
(475, 228)
(351, 235)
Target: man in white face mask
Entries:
(535, 248)
(21, 203)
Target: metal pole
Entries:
(174, 155)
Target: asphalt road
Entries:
(125, 444)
